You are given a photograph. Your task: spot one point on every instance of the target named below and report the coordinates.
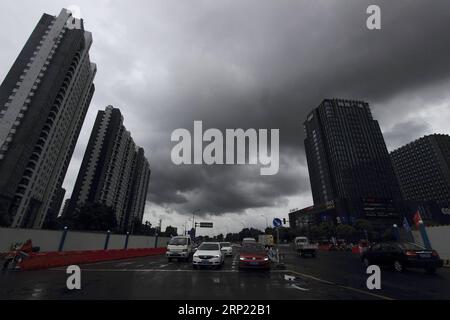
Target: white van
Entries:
(179, 248)
(248, 240)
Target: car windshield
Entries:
(178, 241)
(225, 245)
(253, 249)
(209, 247)
(410, 246)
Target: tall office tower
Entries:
(423, 169)
(43, 100)
(114, 171)
(348, 160)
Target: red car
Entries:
(254, 256)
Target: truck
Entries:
(303, 247)
(180, 248)
(266, 240)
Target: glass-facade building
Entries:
(349, 163)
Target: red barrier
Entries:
(325, 247)
(48, 260)
(356, 250)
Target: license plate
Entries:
(254, 263)
(425, 255)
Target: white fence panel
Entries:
(49, 240)
(439, 238)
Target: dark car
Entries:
(253, 256)
(402, 255)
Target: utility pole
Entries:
(193, 217)
(194, 225)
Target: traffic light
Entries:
(284, 220)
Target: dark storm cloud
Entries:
(266, 65)
(227, 189)
(257, 64)
(402, 132)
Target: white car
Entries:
(226, 249)
(208, 254)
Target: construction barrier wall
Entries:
(49, 241)
(439, 238)
(38, 261)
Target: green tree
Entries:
(232, 237)
(249, 233)
(365, 227)
(171, 231)
(362, 224)
(327, 230)
(270, 231)
(389, 234)
(313, 233)
(286, 234)
(144, 229)
(93, 217)
(345, 231)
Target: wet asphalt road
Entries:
(332, 275)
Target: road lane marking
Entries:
(121, 264)
(311, 277)
(164, 270)
(289, 278)
(299, 288)
(37, 292)
(340, 286)
(152, 270)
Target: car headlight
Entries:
(195, 256)
(266, 259)
(241, 258)
(217, 256)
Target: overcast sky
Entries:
(249, 64)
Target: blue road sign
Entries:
(277, 223)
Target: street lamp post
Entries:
(194, 226)
(185, 227)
